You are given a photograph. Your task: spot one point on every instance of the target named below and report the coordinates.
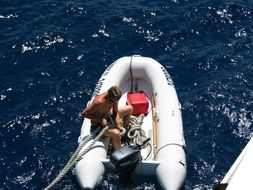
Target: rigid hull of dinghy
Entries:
(238, 176)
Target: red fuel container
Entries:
(139, 101)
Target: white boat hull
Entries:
(239, 175)
(167, 156)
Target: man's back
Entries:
(98, 109)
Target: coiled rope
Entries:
(76, 157)
(136, 134)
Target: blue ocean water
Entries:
(53, 52)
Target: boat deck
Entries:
(146, 153)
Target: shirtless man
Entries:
(105, 105)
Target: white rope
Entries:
(76, 157)
(136, 133)
(121, 129)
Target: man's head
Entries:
(114, 93)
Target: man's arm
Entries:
(115, 115)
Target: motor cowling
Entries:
(125, 159)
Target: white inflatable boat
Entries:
(239, 175)
(164, 157)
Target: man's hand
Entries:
(104, 122)
(118, 125)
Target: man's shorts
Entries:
(95, 128)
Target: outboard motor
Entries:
(125, 159)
